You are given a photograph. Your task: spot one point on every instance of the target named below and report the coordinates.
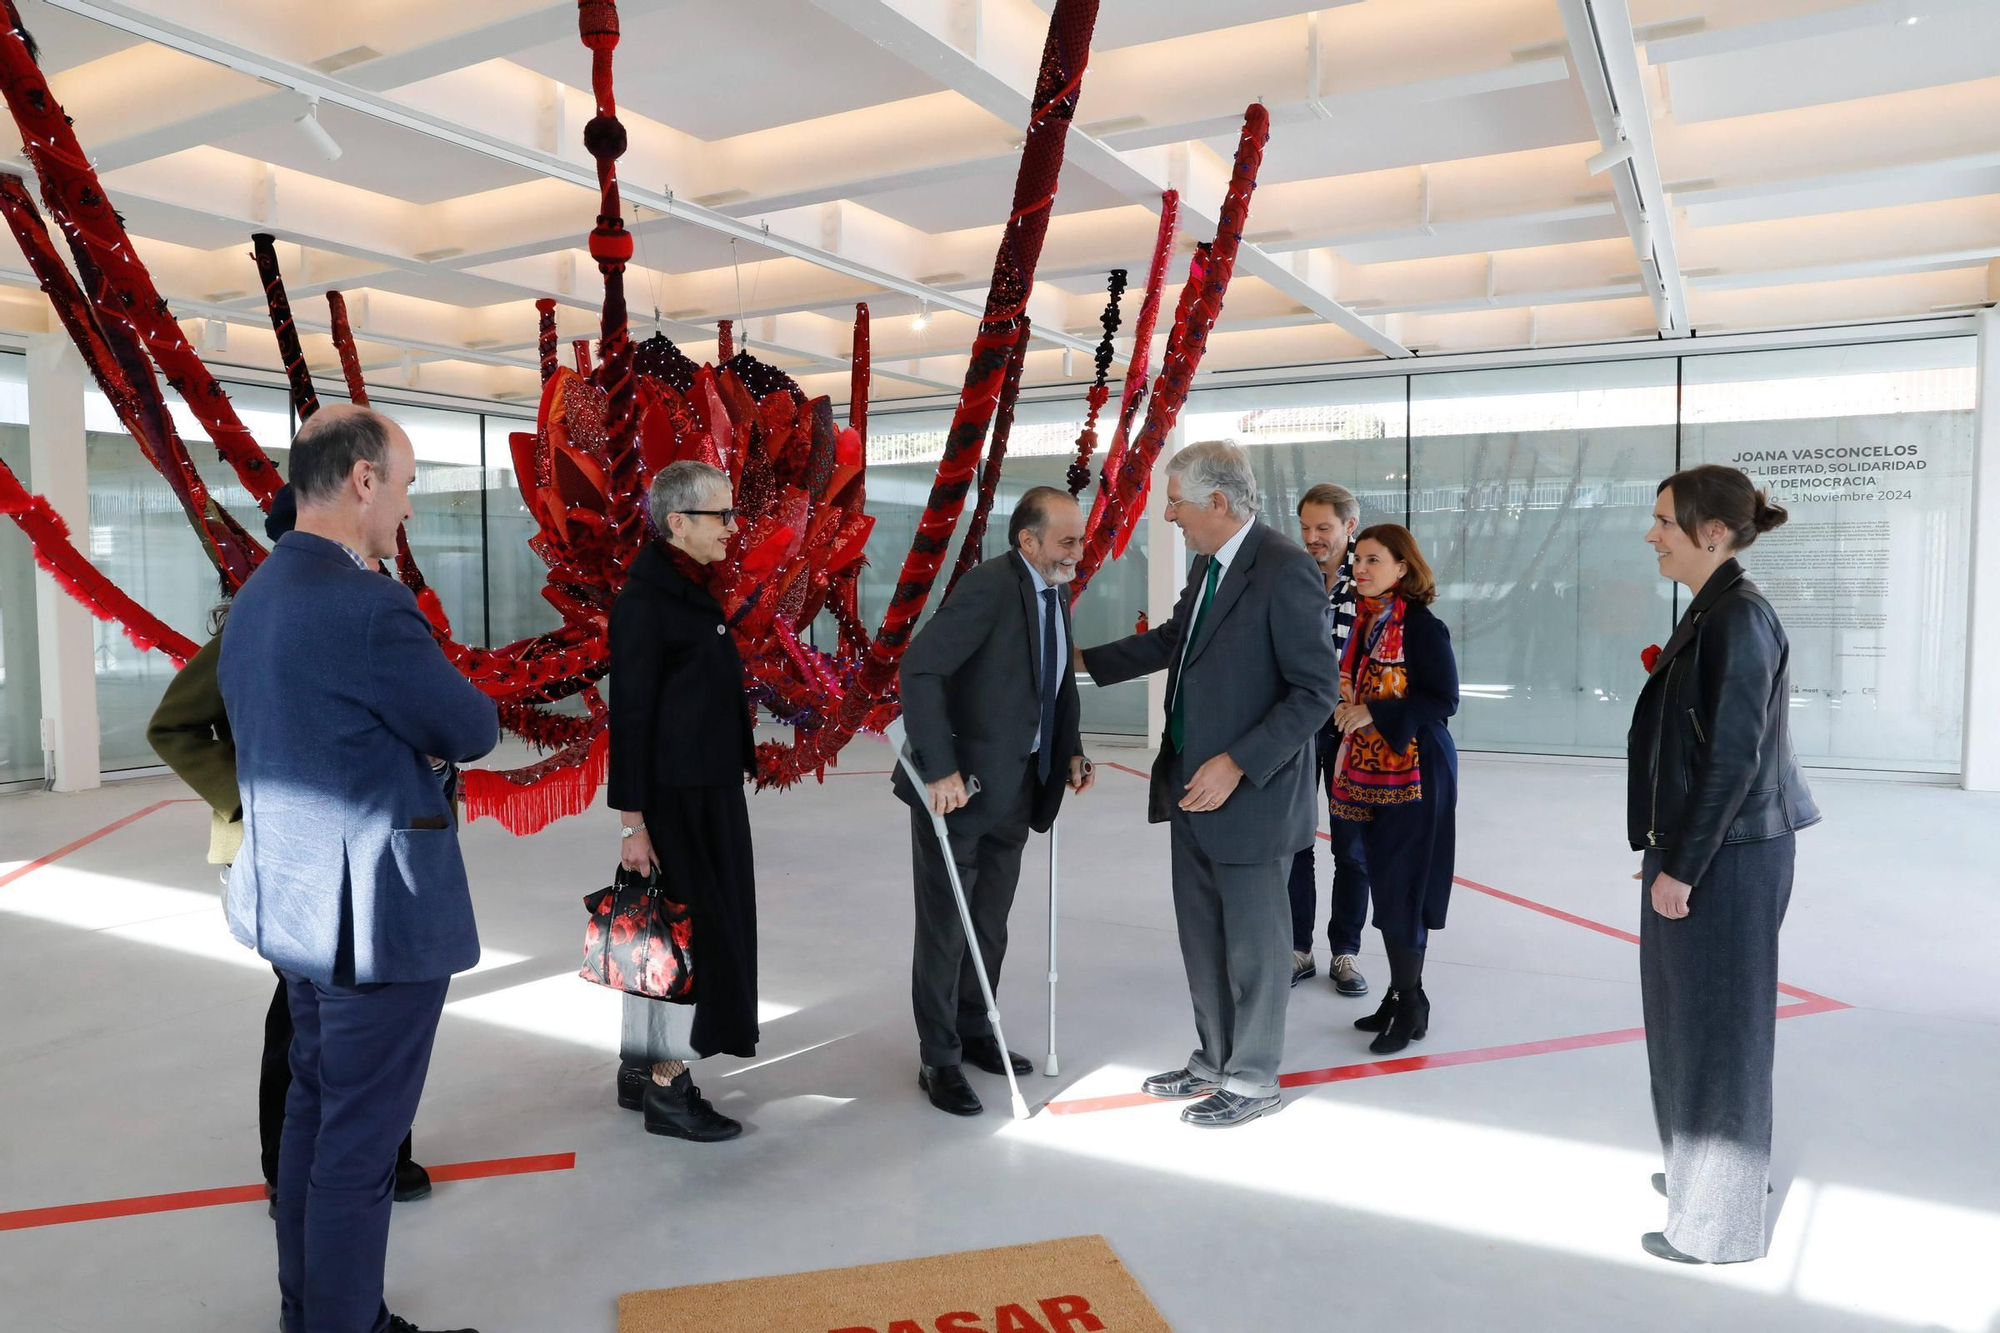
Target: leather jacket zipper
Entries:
(1699, 734)
(1653, 818)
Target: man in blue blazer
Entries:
(349, 881)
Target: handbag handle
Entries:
(650, 881)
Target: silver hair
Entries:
(1217, 467)
(680, 487)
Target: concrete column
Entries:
(1166, 570)
(1981, 762)
(57, 471)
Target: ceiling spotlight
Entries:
(308, 121)
(922, 319)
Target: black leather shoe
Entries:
(1410, 1022)
(679, 1111)
(948, 1089)
(398, 1324)
(632, 1081)
(412, 1182)
(1655, 1243)
(984, 1053)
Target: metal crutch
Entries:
(1049, 1068)
(894, 731)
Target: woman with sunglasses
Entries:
(680, 749)
(1395, 774)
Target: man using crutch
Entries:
(988, 693)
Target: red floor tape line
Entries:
(171, 1203)
(88, 838)
(1809, 1003)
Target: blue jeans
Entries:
(359, 1056)
(1350, 880)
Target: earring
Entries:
(1711, 550)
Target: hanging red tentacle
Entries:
(970, 548)
(1134, 395)
(1184, 358)
(725, 341)
(545, 340)
(77, 201)
(140, 407)
(1100, 388)
(1058, 87)
(343, 346)
(305, 399)
(55, 552)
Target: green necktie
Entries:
(1176, 726)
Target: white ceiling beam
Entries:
(999, 72)
(1607, 67)
(128, 18)
(1677, 43)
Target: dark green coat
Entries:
(190, 733)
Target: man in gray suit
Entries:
(1251, 678)
(988, 692)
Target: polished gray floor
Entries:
(1502, 1193)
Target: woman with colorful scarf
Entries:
(1396, 771)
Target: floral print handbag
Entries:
(639, 940)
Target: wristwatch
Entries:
(624, 832)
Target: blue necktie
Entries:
(1051, 679)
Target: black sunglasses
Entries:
(726, 515)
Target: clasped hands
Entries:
(1350, 715)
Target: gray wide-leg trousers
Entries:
(1709, 982)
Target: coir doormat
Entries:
(1055, 1286)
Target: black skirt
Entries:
(701, 836)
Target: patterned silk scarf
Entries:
(1368, 772)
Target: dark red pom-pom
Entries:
(610, 245)
(597, 23)
(604, 136)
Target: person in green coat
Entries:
(189, 731)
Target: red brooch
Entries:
(1650, 655)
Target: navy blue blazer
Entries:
(337, 696)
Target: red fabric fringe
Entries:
(527, 800)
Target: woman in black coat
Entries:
(1396, 771)
(1714, 797)
(680, 749)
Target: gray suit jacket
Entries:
(971, 684)
(1260, 682)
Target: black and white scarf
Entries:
(1342, 599)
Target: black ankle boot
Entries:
(678, 1110)
(1411, 1021)
(1380, 1019)
(632, 1081)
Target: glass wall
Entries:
(1530, 493)
(1870, 448)
(1530, 490)
(20, 644)
(903, 452)
(141, 539)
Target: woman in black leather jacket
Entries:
(1714, 797)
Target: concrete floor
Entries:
(1505, 1193)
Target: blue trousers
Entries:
(1349, 912)
(359, 1056)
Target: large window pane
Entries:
(515, 575)
(1870, 448)
(141, 539)
(445, 533)
(1349, 432)
(903, 451)
(20, 644)
(1530, 496)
